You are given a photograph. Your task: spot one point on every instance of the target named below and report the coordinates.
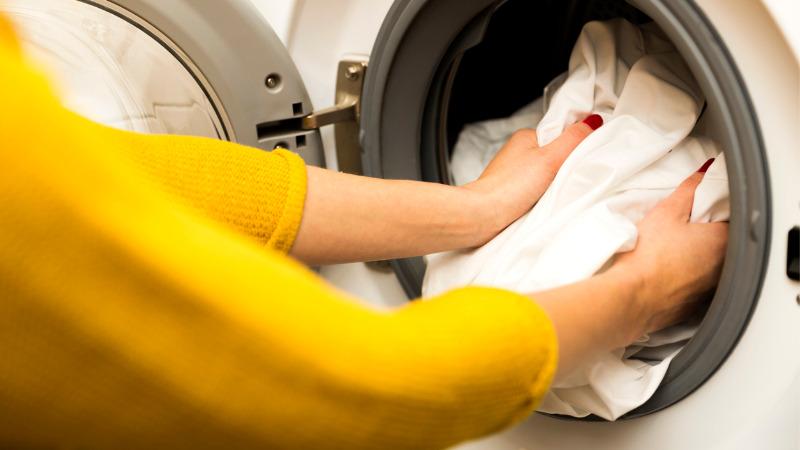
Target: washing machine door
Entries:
(440, 64)
(196, 67)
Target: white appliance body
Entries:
(753, 401)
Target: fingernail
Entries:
(705, 167)
(594, 121)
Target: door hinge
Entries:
(344, 115)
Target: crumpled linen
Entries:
(636, 80)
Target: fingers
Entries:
(680, 202)
(676, 315)
(710, 242)
(714, 235)
(575, 134)
(557, 151)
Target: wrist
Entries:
(631, 301)
(484, 211)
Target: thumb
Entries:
(573, 135)
(680, 202)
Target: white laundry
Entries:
(635, 79)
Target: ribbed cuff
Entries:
(288, 225)
(542, 381)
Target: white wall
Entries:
(278, 13)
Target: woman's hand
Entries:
(351, 218)
(662, 281)
(677, 263)
(522, 171)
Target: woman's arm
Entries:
(353, 218)
(346, 217)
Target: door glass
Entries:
(110, 71)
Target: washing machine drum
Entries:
(189, 67)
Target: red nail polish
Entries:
(707, 164)
(594, 121)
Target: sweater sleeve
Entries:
(253, 191)
(129, 320)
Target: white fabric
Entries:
(638, 83)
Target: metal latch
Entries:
(344, 116)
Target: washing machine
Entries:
(217, 69)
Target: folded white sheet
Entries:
(635, 79)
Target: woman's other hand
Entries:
(677, 263)
(661, 282)
(522, 170)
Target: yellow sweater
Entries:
(146, 302)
